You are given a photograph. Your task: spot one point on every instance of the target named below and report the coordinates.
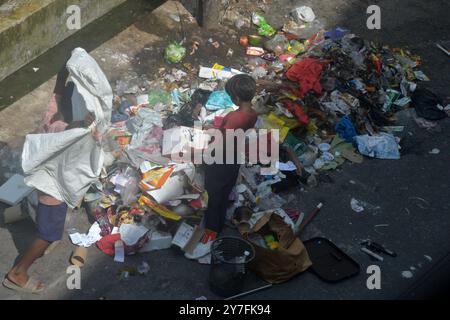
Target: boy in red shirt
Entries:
(221, 178)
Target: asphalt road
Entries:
(412, 194)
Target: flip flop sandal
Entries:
(32, 286)
(79, 257)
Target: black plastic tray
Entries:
(329, 262)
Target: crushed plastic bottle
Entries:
(265, 29)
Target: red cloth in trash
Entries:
(106, 244)
(296, 110)
(307, 73)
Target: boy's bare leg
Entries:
(19, 273)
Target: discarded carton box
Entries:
(187, 237)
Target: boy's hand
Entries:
(89, 119)
(95, 132)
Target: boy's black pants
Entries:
(219, 181)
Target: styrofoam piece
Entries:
(14, 190)
(159, 241)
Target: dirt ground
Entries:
(130, 48)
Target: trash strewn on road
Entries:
(331, 95)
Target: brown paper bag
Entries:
(279, 265)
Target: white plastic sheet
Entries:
(65, 164)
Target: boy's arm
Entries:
(90, 118)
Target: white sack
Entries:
(65, 164)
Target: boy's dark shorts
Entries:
(50, 221)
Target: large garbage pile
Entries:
(331, 94)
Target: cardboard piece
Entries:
(187, 237)
(130, 233)
(14, 190)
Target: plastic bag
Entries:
(148, 133)
(265, 29)
(219, 100)
(296, 47)
(346, 129)
(303, 13)
(382, 146)
(277, 44)
(426, 104)
(269, 200)
(130, 191)
(271, 122)
(175, 52)
(159, 96)
(303, 31)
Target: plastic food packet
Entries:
(155, 179)
(175, 52)
(159, 209)
(265, 29)
(296, 47)
(255, 51)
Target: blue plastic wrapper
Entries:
(121, 114)
(336, 33)
(118, 117)
(382, 146)
(346, 129)
(219, 100)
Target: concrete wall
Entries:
(38, 25)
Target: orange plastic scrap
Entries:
(158, 208)
(377, 63)
(155, 179)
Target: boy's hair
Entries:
(241, 86)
